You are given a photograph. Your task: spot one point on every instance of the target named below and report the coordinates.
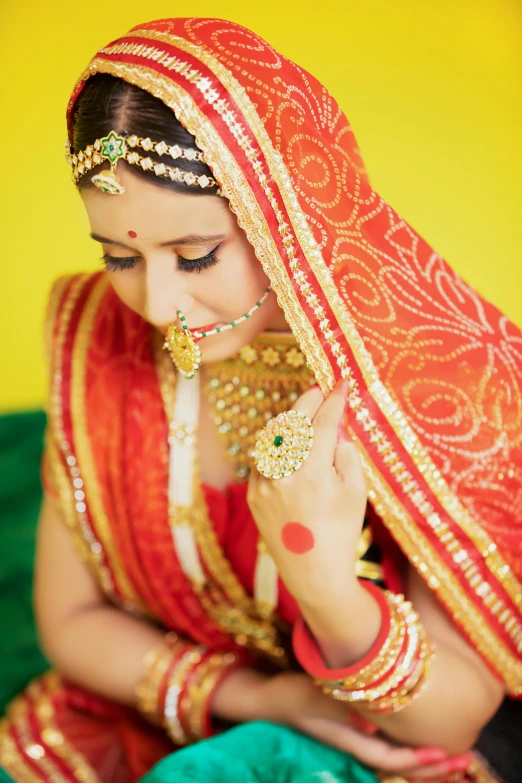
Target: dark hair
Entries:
(108, 103)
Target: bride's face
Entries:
(152, 239)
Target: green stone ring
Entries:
(283, 444)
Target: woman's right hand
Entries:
(294, 700)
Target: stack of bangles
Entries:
(178, 685)
(392, 674)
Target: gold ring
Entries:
(283, 444)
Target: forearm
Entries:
(103, 648)
(450, 711)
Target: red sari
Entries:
(435, 371)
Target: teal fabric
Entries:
(259, 753)
(4, 777)
(21, 438)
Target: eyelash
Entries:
(115, 264)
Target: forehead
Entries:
(151, 211)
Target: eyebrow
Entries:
(189, 239)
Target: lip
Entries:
(207, 327)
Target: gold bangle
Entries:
(201, 687)
(172, 722)
(393, 681)
(384, 660)
(398, 687)
(155, 665)
(396, 702)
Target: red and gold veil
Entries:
(435, 370)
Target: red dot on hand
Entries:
(297, 538)
(132, 234)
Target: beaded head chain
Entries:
(114, 147)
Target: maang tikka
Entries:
(181, 343)
(114, 147)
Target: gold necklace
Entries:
(250, 621)
(262, 380)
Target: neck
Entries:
(278, 323)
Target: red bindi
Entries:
(132, 234)
(297, 538)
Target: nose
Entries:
(165, 293)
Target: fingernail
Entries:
(315, 386)
(457, 764)
(345, 387)
(342, 434)
(430, 755)
(362, 724)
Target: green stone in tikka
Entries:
(278, 440)
(112, 147)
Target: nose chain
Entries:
(181, 341)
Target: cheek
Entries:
(241, 281)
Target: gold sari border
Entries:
(31, 746)
(90, 504)
(387, 407)
(42, 691)
(63, 462)
(440, 578)
(385, 404)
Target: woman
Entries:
(211, 493)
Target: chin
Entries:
(219, 347)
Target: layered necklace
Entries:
(263, 379)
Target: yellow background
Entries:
(432, 90)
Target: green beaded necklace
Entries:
(182, 346)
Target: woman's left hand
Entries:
(311, 521)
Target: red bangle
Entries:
(309, 656)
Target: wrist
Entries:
(333, 599)
(345, 628)
(238, 697)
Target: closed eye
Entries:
(120, 263)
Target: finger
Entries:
(451, 766)
(362, 724)
(309, 402)
(326, 418)
(347, 463)
(373, 751)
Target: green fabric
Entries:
(4, 777)
(21, 438)
(259, 753)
